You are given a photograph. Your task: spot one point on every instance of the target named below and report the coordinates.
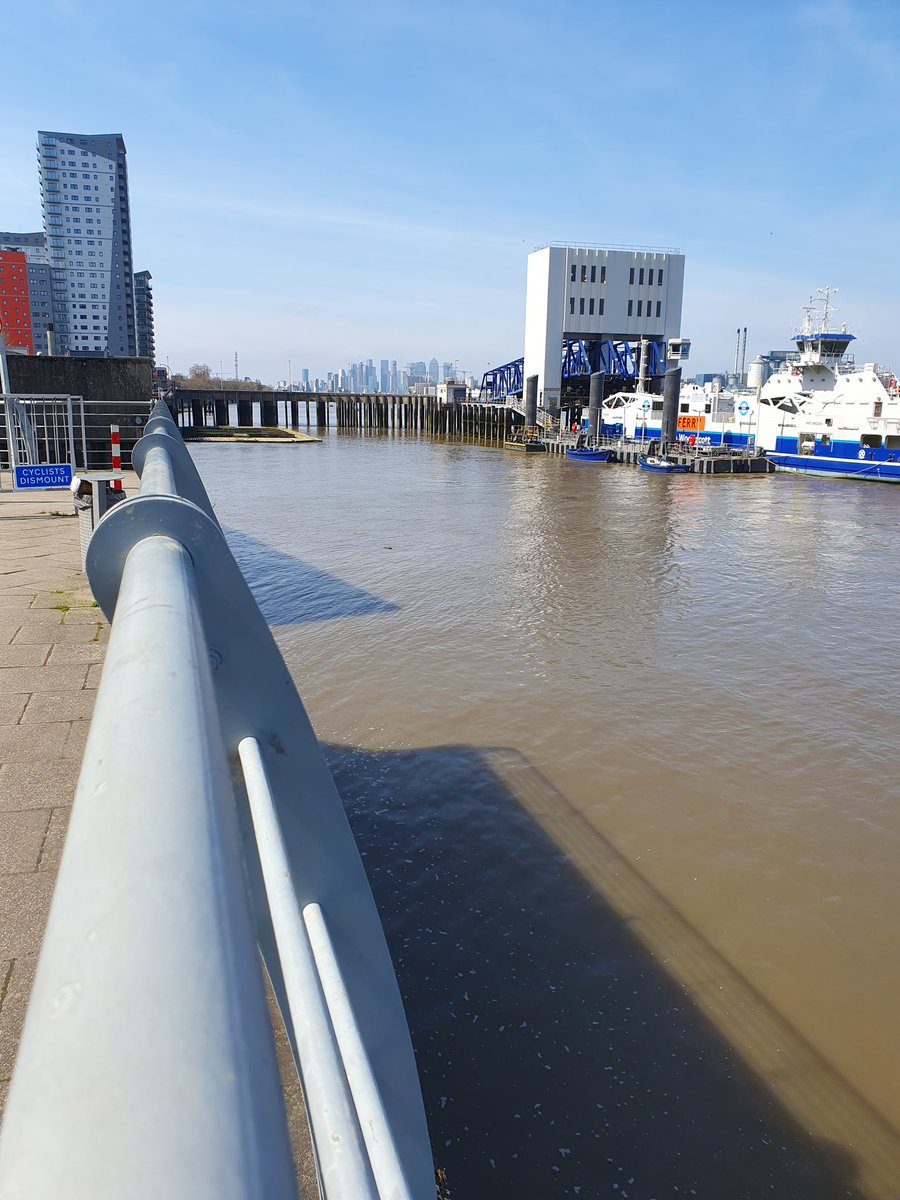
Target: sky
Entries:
(313, 183)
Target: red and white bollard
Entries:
(116, 454)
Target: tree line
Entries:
(201, 378)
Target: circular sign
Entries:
(743, 408)
(646, 406)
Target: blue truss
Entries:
(580, 357)
(500, 382)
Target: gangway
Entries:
(205, 824)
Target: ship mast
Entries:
(826, 293)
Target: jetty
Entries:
(493, 423)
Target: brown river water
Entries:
(621, 756)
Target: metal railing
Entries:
(205, 822)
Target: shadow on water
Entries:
(574, 1035)
(289, 591)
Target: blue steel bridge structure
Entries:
(580, 358)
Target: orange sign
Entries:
(695, 423)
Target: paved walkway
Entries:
(52, 641)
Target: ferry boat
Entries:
(818, 414)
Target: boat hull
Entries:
(662, 467)
(593, 456)
(822, 467)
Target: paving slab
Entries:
(25, 654)
(22, 836)
(30, 634)
(24, 905)
(31, 743)
(76, 652)
(39, 784)
(72, 705)
(43, 679)
(12, 705)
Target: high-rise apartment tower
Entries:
(84, 195)
(143, 315)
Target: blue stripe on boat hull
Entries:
(836, 468)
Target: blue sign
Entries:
(46, 475)
(743, 408)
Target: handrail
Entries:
(146, 1060)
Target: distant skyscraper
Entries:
(433, 368)
(143, 315)
(34, 247)
(84, 194)
(385, 376)
(448, 371)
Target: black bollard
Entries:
(671, 393)
(595, 402)
(531, 384)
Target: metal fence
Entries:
(205, 823)
(64, 429)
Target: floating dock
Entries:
(703, 461)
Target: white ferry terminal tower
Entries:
(590, 301)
